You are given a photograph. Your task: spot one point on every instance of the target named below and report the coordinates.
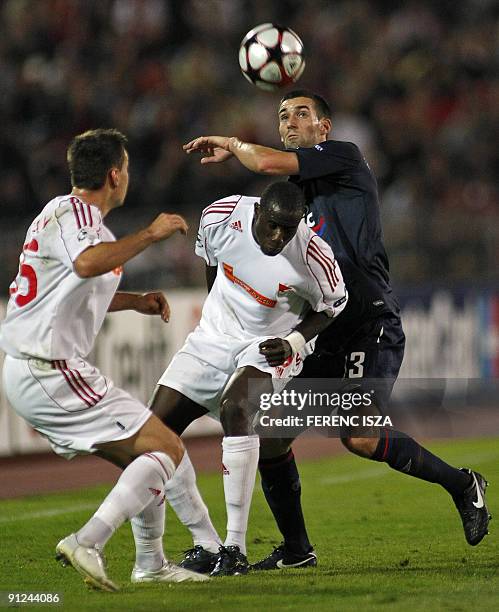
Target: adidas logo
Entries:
(225, 471)
(236, 225)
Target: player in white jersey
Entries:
(274, 285)
(69, 271)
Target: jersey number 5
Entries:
(28, 272)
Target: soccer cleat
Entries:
(88, 562)
(198, 559)
(167, 573)
(471, 506)
(230, 562)
(281, 558)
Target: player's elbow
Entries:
(84, 268)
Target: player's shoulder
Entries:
(339, 147)
(310, 241)
(222, 210)
(83, 213)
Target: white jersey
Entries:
(53, 314)
(257, 295)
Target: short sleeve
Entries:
(211, 227)
(327, 291)
(331, 157)
(203, 247)
(80, 226)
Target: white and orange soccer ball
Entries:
(271, 56)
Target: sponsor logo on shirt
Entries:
(339, 302)
(236, 225)
(319, 148)
(261, 299)
(319, 227)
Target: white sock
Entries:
(184, 497)
(148, 528)
(144, 479)
(240, 461)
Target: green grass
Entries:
(385, 542)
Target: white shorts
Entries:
(203, 366)
(71, 404)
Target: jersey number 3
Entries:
(28, 272)
(357, 362)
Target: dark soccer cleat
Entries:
(198, 559)
(471, 506)
(230, 562)
(281, 558)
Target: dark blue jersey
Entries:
(342, 196)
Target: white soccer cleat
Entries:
(88, 562)
(167, 573)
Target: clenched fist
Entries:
(275, 351)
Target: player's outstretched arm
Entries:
(153, 303)
(257, 158)
(107, 256)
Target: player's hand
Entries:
(153, 303)
(215, 149)
(165, 225)
(276, 351)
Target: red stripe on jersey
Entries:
(319, 256)
(224, 203)
(332, 262)
(326, 271)
(71, 384)
(78, 384)
(151, 456)
(91, 222)
(76, 213)
(82, 209)
(219, 210)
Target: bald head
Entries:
(277, 217)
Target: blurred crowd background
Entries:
(414, 84)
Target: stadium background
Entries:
(413, 84)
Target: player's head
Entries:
(304, 119)
(98, 159)
(277, 217)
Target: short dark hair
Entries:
(287, 196)
(92, 154)
(321, 106)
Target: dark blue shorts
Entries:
(371, 357)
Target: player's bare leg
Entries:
(151, 457)
(177, 412)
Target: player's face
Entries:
(273, 229)
(299, 125)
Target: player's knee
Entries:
(234, 416)
(363, 447)
(171, 445)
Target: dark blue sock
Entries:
(404, 454)
(282, 489)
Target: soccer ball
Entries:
(271, 56)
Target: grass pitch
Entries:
(385, 541)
